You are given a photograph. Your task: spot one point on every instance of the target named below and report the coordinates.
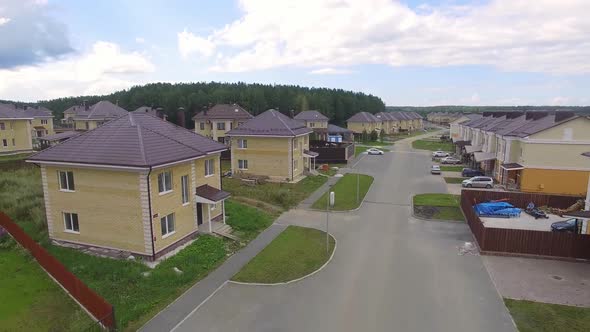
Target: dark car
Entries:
(570, 225)
(470, 172)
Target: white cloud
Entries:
(551, 36)
(102, 69)
(4, 20)
(331, 71)
(139, 40)
(559, 100)
(189, 44)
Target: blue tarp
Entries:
(496, 209)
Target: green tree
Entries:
(374, 136)
(382, 135)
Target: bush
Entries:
(374, 136)
(246, 219)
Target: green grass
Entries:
(296, 252)
(538, 317)
(31, 301)
(432, 145)
(285, 195)
(331, 171)
(454, 180)
(345, 192)
(437, 199)
(246, 221)
(14, 157)
(438, 206)
(360, 149)
(451, 168)
(225, 166)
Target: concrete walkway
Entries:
(168, 318)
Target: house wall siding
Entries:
(554, 155)
(108, 204)
(554, 181)
(36, 122)
(266, 156)
(20, 131)
(580, 128)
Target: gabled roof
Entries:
(270, 123)
(75, 109)
(535, 125)
(9, 112)
(132, 140)
(223, 111)
(38, 112)
(311, 116)
(363, 117)
(102, 110)
(333, 129)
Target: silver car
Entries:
(479, 182)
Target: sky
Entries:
(421, 53)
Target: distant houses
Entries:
(216, 121)
(322, 130)
(443, 117)
(22, 127)
(136, 185)
(389, 122)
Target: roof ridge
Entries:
(173, 139)
(283, 122)
(140, 138)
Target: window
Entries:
(2, 126)
(242, 143)
(295, 164)
(221, 139)
(220, 125)
(167, 225)
(165, 182)
(43, 121)
(311, 124)
(184, 185)
(202, 125)
(66, 180)
(242, 164)
(71, 222)
(209, 167)
(4, 142)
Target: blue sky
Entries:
(408, 53)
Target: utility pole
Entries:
(329, 203)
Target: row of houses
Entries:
(537, 151)
(389, 122)
(21, 127)
(443, 117)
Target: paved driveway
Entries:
(390, 272)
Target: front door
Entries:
(199, 213)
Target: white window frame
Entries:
(220, 124)
(43, 121)
(244, 162)
(185, 194)
(242, 143)
(164, 183)
(201, 125)
(167, 220)
(209, 167)
(69, 215)
(69, 188)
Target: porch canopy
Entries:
(312, 155)
(209, 195)
(483, 156)
(473, 148)
(512, 166)
(461, 143)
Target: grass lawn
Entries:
(331, 171)
(454, 180)
(14, 157)
(296, 252)
(31, 301)
(360, 149)
(537, 317)
(451, 168)
(432, 145)
(285, 195)
(438, 206)
(345, 191)
(225, 166)
(136, 297)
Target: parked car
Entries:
(450, 160)
(374, 151)
(470, 172)
(439, 154)
(570, 225)
(478, 182)
(435, 169)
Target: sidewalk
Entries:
(308, 202)
(192, 298)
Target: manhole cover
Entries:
(557, 277)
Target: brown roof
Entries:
(100, 111)
(212, 194)
(224, 111)
(134, 140)
(363, 117)
(311, 116)
(270, 123)
(60, 136)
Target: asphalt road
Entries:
(390, 272)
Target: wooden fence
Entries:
(523, 242)
(332, 152)
(102, 311)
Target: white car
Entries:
(440, 154)
(435, 169)
(374, 151)
(479, 182)
(450, 160)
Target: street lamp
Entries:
(329, 203)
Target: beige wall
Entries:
(20, 132)
(37, 122)
(580, 129)
(81, 124)
(213, 132)
(359, 127)
(316, 124)
(554, 155)
(108, 207)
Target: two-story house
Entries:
(15, 131)
(136, 184)
(271, 144)
(42, 123)
(219, 119)
(91, 117)
(363, 122)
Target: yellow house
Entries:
(271, 144)
(364, 122)
(315, 121)
(219, 119)
(91, 117)
(42, 123)
(15, 131)
(135, 185)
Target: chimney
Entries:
(498, 114)
(563, 115)
(205, 109)
(117, 102)
(529, 115)
(513, 115)
(292, 114)
(180, 117)
(486, 114)
(85, 103)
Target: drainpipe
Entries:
(292, 158)
(151, 216)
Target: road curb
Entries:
(294, 280)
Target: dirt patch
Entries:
(439, 213)
(425, 211)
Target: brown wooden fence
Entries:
(92, 302)
(523, 242)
